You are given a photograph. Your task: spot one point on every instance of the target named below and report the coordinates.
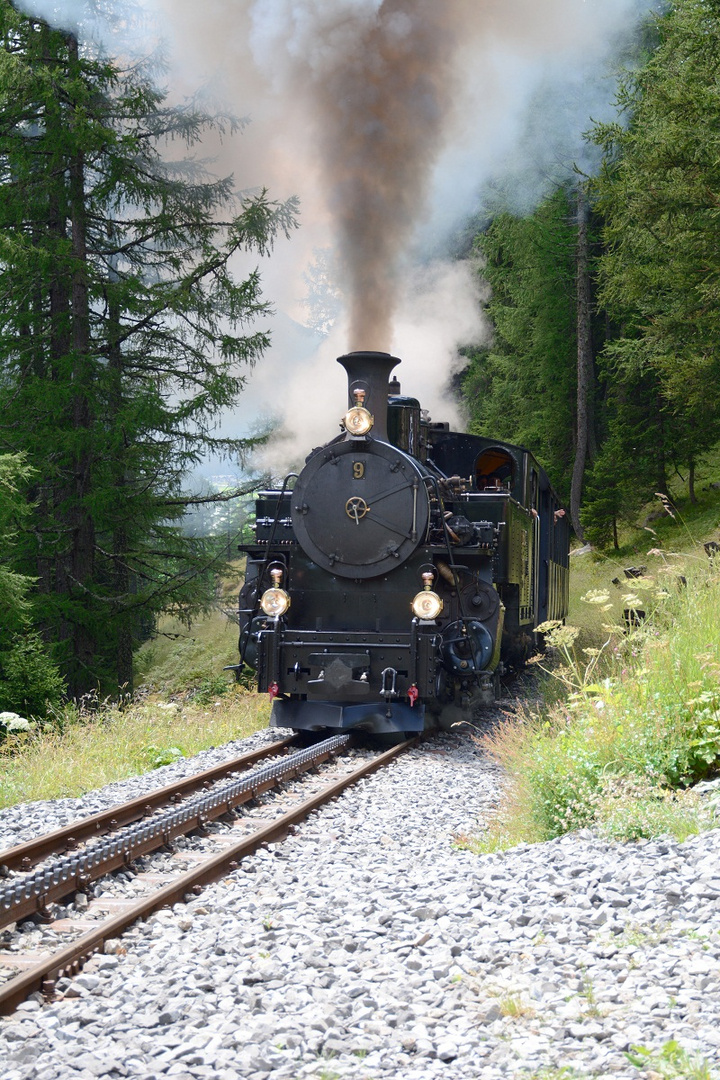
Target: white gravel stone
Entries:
(367, 946)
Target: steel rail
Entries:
(26, 855)
(31, 894)
(44, 975)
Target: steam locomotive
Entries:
(405, 568)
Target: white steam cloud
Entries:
(386, 117)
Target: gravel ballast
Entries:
(367, 945)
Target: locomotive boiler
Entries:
(405, 568)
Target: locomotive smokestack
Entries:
(370, 371)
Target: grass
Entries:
(112, 744)
(696, 521)
(655, 528)
(672, 1062)
(180, 657)
(515, 1007)
(629, 717)
(190, 706)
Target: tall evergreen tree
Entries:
(660, 277)
(523, 388)
(123, 333)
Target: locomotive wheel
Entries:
(387, 739)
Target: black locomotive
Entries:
(402, 571)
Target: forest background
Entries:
(123, 332)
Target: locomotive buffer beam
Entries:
(338, 672)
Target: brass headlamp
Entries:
(357, 420)
(427, 604)
(275, 601)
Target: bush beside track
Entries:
(628, 721)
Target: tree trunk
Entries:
(82, 553)
(121, 571)
(584, 361)
(51, 562)
(662, 481)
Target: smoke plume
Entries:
(378, 92)
(386, 117)
(382, 91)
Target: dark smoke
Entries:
(382, 112)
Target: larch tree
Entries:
(123, 334)
(585, 428)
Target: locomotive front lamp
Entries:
(358, 420)
(427, 604)
(275, 601)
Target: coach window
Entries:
(494, 470)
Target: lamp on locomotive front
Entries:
(357, 420)
(427, 605)
(275, 601)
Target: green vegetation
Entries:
(124, 332)
(188, 704)
(89, 748)
(515, 1006)
(629, 717)
(522, 388)
(604, 304)
(181, 658)
(672, 1062)
(659, 271)
(29, 681)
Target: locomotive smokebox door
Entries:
(360, 509)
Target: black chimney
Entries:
(370, 372)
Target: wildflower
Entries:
(596, 596)
(562, 637)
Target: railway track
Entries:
(65, 863)
(24, 856)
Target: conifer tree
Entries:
(659, 277)
(29, 681)
(523, 387)
(123, 333)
